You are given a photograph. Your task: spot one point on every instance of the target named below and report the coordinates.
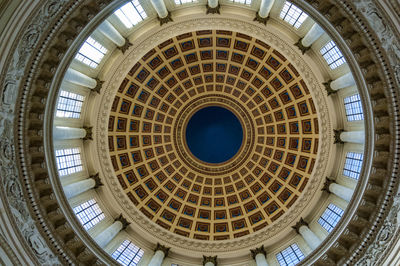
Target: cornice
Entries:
(138, 49)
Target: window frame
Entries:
(351, 162)
(88, 212)
(121, 253)
(289, 15)
(293, 248)
(72, 105)
(93, 45)
(77, 165)
(123, 16)
(332, 53)
(353, 108)
(325, 222)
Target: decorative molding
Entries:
(327, 183)
(99, 85)
(135, 53)
(126, 46)
(89, 133)
(328, 88)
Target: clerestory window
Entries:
(330, 217)
(290, 256)
(332, 55)
(131, 14)
(352, 105)
(69, 105)
(89, 213)
(128, 254)
(352, 165)
(91, 53)
(293, 15)
(68, 161)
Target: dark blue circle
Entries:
(214, 134)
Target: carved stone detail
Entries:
(260, 19)
(258, 250)
(163, 248)
(213, 10)
(166, 19)
(99, 85)
(327, 183)
(336, 136)
(89, 133)
(124, 222)
(328, 88)
(125, 47)
(299, 224)
(302, 48)
(210, 259)
(96, 178)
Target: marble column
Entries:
(304, 44)
(212, 7)
(344, 81)
(339, 190)
(213, 3)
(110, 232)
(74, 189)
(259, 255)
(342, 136)
(81, 79)
(159, 254)
(164, 16)
(111, 33)
(309, 237)
(210, 261)
(263, 13)
(60, 133)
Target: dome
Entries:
(185, 132)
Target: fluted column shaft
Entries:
(107, 235)
(160, 8)
(341, 191)
(111, 33)
(312, 35)
(265, 8)
(79, 187)
(68, 133)
(213, 3)
(261, 260)
(157, 258)
(311, 239)
(353, 136)
(344, 81)
(79, 78)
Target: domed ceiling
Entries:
(158, 171)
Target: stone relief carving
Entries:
(10, 180)
(388, 233)
(138, 50)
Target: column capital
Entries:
(328, 88)
(212, 10)
(162, 248)
(259, 250)
(210, 259)
(260, 19)
(89, 135)
(336, 136)
(299, 224)
(165, 20)
(126, 46)
(98, 85)
(124, 222)
(97, 180)
(302, 48)
(327, 183)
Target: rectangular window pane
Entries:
(128, 253)
(293, 15)
(69, 105)
(89, 213)
(180, 2)
(91, 53)
(332, 55)
(352, 166)
(246, 2)
(330, 217)
(352, 105)
(131, 14)
(290, 256)
(68, 161)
